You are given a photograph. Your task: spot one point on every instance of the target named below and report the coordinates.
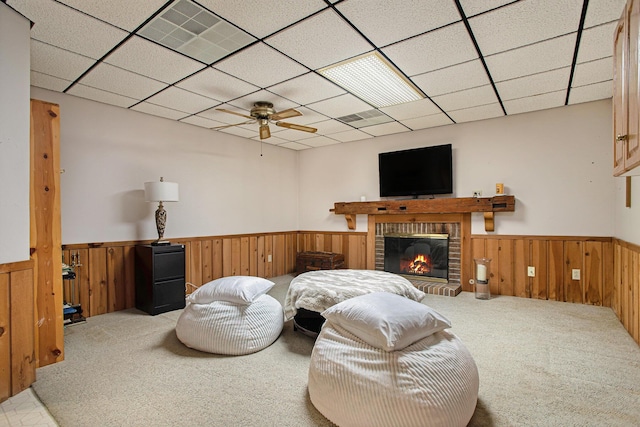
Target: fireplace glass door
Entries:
(423, 255)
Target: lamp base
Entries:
(161, 243)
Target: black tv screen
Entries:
(416, 172)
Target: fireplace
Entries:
(420, 255)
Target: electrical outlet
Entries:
(269, 258)
(531, 271)
(477, 193)
(575, 274)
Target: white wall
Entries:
(14, 135)
(627, 220)
(108, 153)
(558, 164)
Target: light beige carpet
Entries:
(541, 363)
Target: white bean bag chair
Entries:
(372, 367)
(231, 316)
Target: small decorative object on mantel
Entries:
(161, 191)
(499, 189)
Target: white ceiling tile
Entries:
(294, 146)
(340, 106)
(125, 14)
(226, 118)
(267, 66)
(593, 92)
(409, 18)
(466, 98)
(433, 50)
(409, 110)
(596, 43)
(593, 72)
(319, 41)
(101, 96)
(157, 110)
(307, 88)
(473, 7)
(601, 11)
(430, 121)
(117, 80)
(385, 129)
(217, 85)
(201, 121)
(534, 103)
(481, 112)
(536, 58)
(262, 19)
(46, 81)
(182, 100)
(320, 141)
(350, 135)
(59, 25)
(328, 127)
(290, 134)
(452, 79)
(246, 102)
(241, 131)
(309, 116)
(525, 22)
(273, 140)
(535, 84)
(57, 62)
(152, 60)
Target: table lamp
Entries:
(161, 191)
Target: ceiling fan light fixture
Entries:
(374, 79)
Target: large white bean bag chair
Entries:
(231, 316)
(384, 360)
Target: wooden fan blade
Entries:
(237, 124)
(285, 114)
(233, 112)
(296, 127)
(265, 132)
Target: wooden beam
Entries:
(421, 206)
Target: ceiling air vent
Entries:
(365, 118)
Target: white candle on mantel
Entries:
(481, 273)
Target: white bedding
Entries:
(319, 290)
(433, 382)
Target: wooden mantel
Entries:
(488, 205)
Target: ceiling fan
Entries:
(263, 113)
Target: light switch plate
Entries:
(531, 271)
(575, 274)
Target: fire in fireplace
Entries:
(425, 255)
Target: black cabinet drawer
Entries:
(160, 278)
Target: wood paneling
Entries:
(5, 337)
(18, 346)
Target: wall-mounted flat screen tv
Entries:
(416, 172)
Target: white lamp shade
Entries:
(161, 191)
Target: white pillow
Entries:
(234, 289)
(387, 321)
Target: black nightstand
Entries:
(160, 278)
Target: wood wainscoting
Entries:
(554, 259)
(609, 268)
(625, 299)
(17, 328)
(105, 272)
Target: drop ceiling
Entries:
(183, 59)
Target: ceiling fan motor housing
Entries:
(262, 110)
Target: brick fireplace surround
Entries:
(457, 226)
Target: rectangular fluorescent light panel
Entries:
(188, 28)
(373, 79)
